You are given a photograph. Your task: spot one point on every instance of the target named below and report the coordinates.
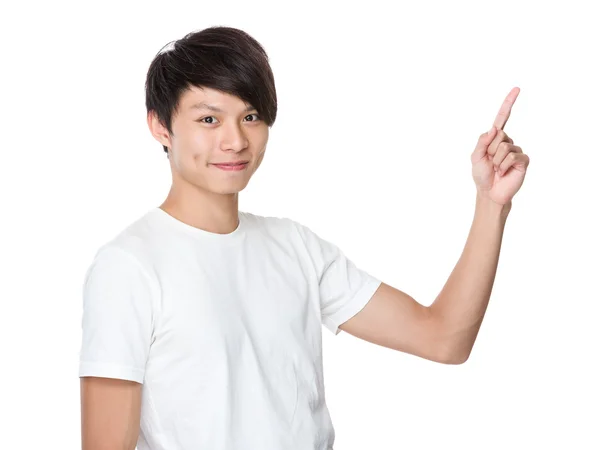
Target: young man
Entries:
(202, 323)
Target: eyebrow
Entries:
(203, 105)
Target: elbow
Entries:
(454, 357)
(455, 360)
(453, 348)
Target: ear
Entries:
(158, 130)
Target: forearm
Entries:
(462, 303)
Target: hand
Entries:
(499, 167)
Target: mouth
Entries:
(232, 166)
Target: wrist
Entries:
(490, 208)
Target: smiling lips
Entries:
(237, 165)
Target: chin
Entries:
(228, 190)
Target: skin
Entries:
(110, 413)
(201, 194)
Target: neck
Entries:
(215, 213)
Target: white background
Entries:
(380, 105)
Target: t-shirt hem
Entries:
(107, 370)
(353, 307)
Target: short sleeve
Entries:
(117, 319)
(344, 288)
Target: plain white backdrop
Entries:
(380, 106)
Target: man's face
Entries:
(203, 137)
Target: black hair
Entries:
(221, 58)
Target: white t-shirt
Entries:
(222, 330)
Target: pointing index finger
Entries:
(506, 107)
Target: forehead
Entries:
(196, 99)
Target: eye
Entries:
(209, 117)
(211, 120)
(257, 117)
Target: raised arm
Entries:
(446, 331)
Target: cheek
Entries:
(195, 148)
(259, 160)
(188, 157)
(265, 136)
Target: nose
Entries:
(233, 138)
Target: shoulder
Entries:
(117, 277)
(129, 249)
(292, 231)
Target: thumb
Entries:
(483, 143)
